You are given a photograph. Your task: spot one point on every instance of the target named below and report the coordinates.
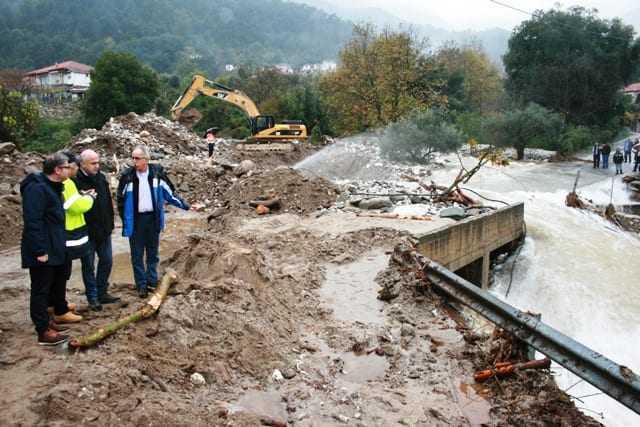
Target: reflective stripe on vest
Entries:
(77, 242)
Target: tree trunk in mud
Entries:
(169, 278)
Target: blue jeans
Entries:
(96, 283)
(145, 238)
(605, 161)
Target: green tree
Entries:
(474, 82)
(381, 77)
(119, 84)
(18, 118)
(415, 137)
(533, 126)
(571, 62)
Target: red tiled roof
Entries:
(635, 87)
(67, 65)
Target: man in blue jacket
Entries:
(43, 249)
(141, 194)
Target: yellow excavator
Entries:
(264, 129)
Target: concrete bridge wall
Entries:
(467, 245)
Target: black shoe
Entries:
(95, 306)
(142, 293)
(108, 299)
(152, 286)
(51, 337)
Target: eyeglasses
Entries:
(138, 158)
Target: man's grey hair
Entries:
(53, 161)
(88, 154)
(144, 150)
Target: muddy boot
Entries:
(143, 293)
(68, 317)
(51, 337)
(58, 328)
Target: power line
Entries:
(508, 6)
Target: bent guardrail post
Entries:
(616, 380)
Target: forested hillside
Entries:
(167, 33)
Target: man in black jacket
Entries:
(43, 249)
(100, 225)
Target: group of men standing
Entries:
(68, 214)
(602, 152)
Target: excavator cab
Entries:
(260, 123)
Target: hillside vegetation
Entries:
(167, 33)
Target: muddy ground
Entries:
(284, 327)
(276, 320)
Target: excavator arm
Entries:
(201, 86)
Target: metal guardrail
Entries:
(613, 379)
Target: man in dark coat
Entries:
(43, 249)
(100, 225)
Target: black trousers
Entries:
(210, 146)
(48, 284)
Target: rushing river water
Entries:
(577, 270)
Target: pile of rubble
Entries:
(293, 191)
(121, 134)
(15, 165)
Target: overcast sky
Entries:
(482, 14)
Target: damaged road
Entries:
(305, 316)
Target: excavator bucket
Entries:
(190, 117)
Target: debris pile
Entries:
(14, 166)
(121, 134)
(296, 192)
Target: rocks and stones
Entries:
(453, 212)
(244, 167)
(197, 379)
(375, 203)
(7, 148)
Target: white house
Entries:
(229, 67)
(67, 79)
(284, 68)
(323, 67)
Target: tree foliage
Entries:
(415, 137)
(380, 78)
(533, 126)
(119, 84)
(18, 118)
(571, 62)
(474, 82)
(165, 33)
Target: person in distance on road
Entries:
(618, 158)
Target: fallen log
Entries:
(504, 369)
(169, 278)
